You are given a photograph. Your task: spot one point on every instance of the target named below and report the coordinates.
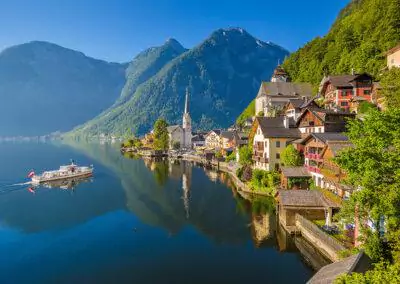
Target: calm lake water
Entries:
(135, 221)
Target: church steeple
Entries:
(187, 124)
(187, 101)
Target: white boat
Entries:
(65, 172)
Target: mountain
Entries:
(359, 38)
(45, 87)
(223, 74)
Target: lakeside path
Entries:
(230, 168)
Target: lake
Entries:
(135, 221)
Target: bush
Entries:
(265, 181)
(231, 157)
(247, 173)
(245, 154)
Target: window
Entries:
(278, 156)
(367, 92)
(344, 103)
(278, 144)
(265, 144)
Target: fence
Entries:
(331, 245)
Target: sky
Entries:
(116, 30)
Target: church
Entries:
(180, 137)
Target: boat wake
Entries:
(19, 184)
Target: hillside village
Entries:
(292, 140)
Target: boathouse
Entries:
(311, 204)
(295, 178)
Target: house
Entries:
(318, 120)
(212, 139)
(311, 204)
(198, 140)
(357, 263)
(334, 176)
(295, 178)
(272, 135)
(295, 107)
(338, 90)
(393, 57)
(314, 148)
(272, 96)
(181, 136)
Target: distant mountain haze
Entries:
(223, 74)
(45, 87)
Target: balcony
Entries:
(260, 159)
(313, 169)
(313, 156)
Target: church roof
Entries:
(173, 128)
(285, 89)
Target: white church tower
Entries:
(187, 124)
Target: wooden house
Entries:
(318, 120)
(295, 107)
(338, 90)
(295, 178)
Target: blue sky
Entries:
(116, 30)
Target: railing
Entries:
(260, 159)
(313, 156)
(318, 233)
(313, 169)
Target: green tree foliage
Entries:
(390, 82)
(373, 165)
(161, 139)
(248, 112)
(383, 273)
(245, 155)
(291, 157)
(231, 157)
(358, 39)
(265, 181)
(365, 107)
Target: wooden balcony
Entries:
(260, 159)
(313, 169)
(312, 156)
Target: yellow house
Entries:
(272, 135)
(393, 57)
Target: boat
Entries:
(65, 172)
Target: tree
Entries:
(390, 83)
(245, 155)
(161, 139)
(291, 157)
(373, 166)
(382, 273)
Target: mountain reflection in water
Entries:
(142, 221)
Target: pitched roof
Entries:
(393, 50)
(337, 146)
(273, 127)
(173, 128)
(325, 137)
(216, 131)
(304, 198)
(322, 114)
(228, 134)
(295, 172)
(343, 80)
(297, 103)
(359, 263)
(289, 89)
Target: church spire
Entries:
(187, 101)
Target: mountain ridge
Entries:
(215, 71)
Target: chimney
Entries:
(286, 121)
